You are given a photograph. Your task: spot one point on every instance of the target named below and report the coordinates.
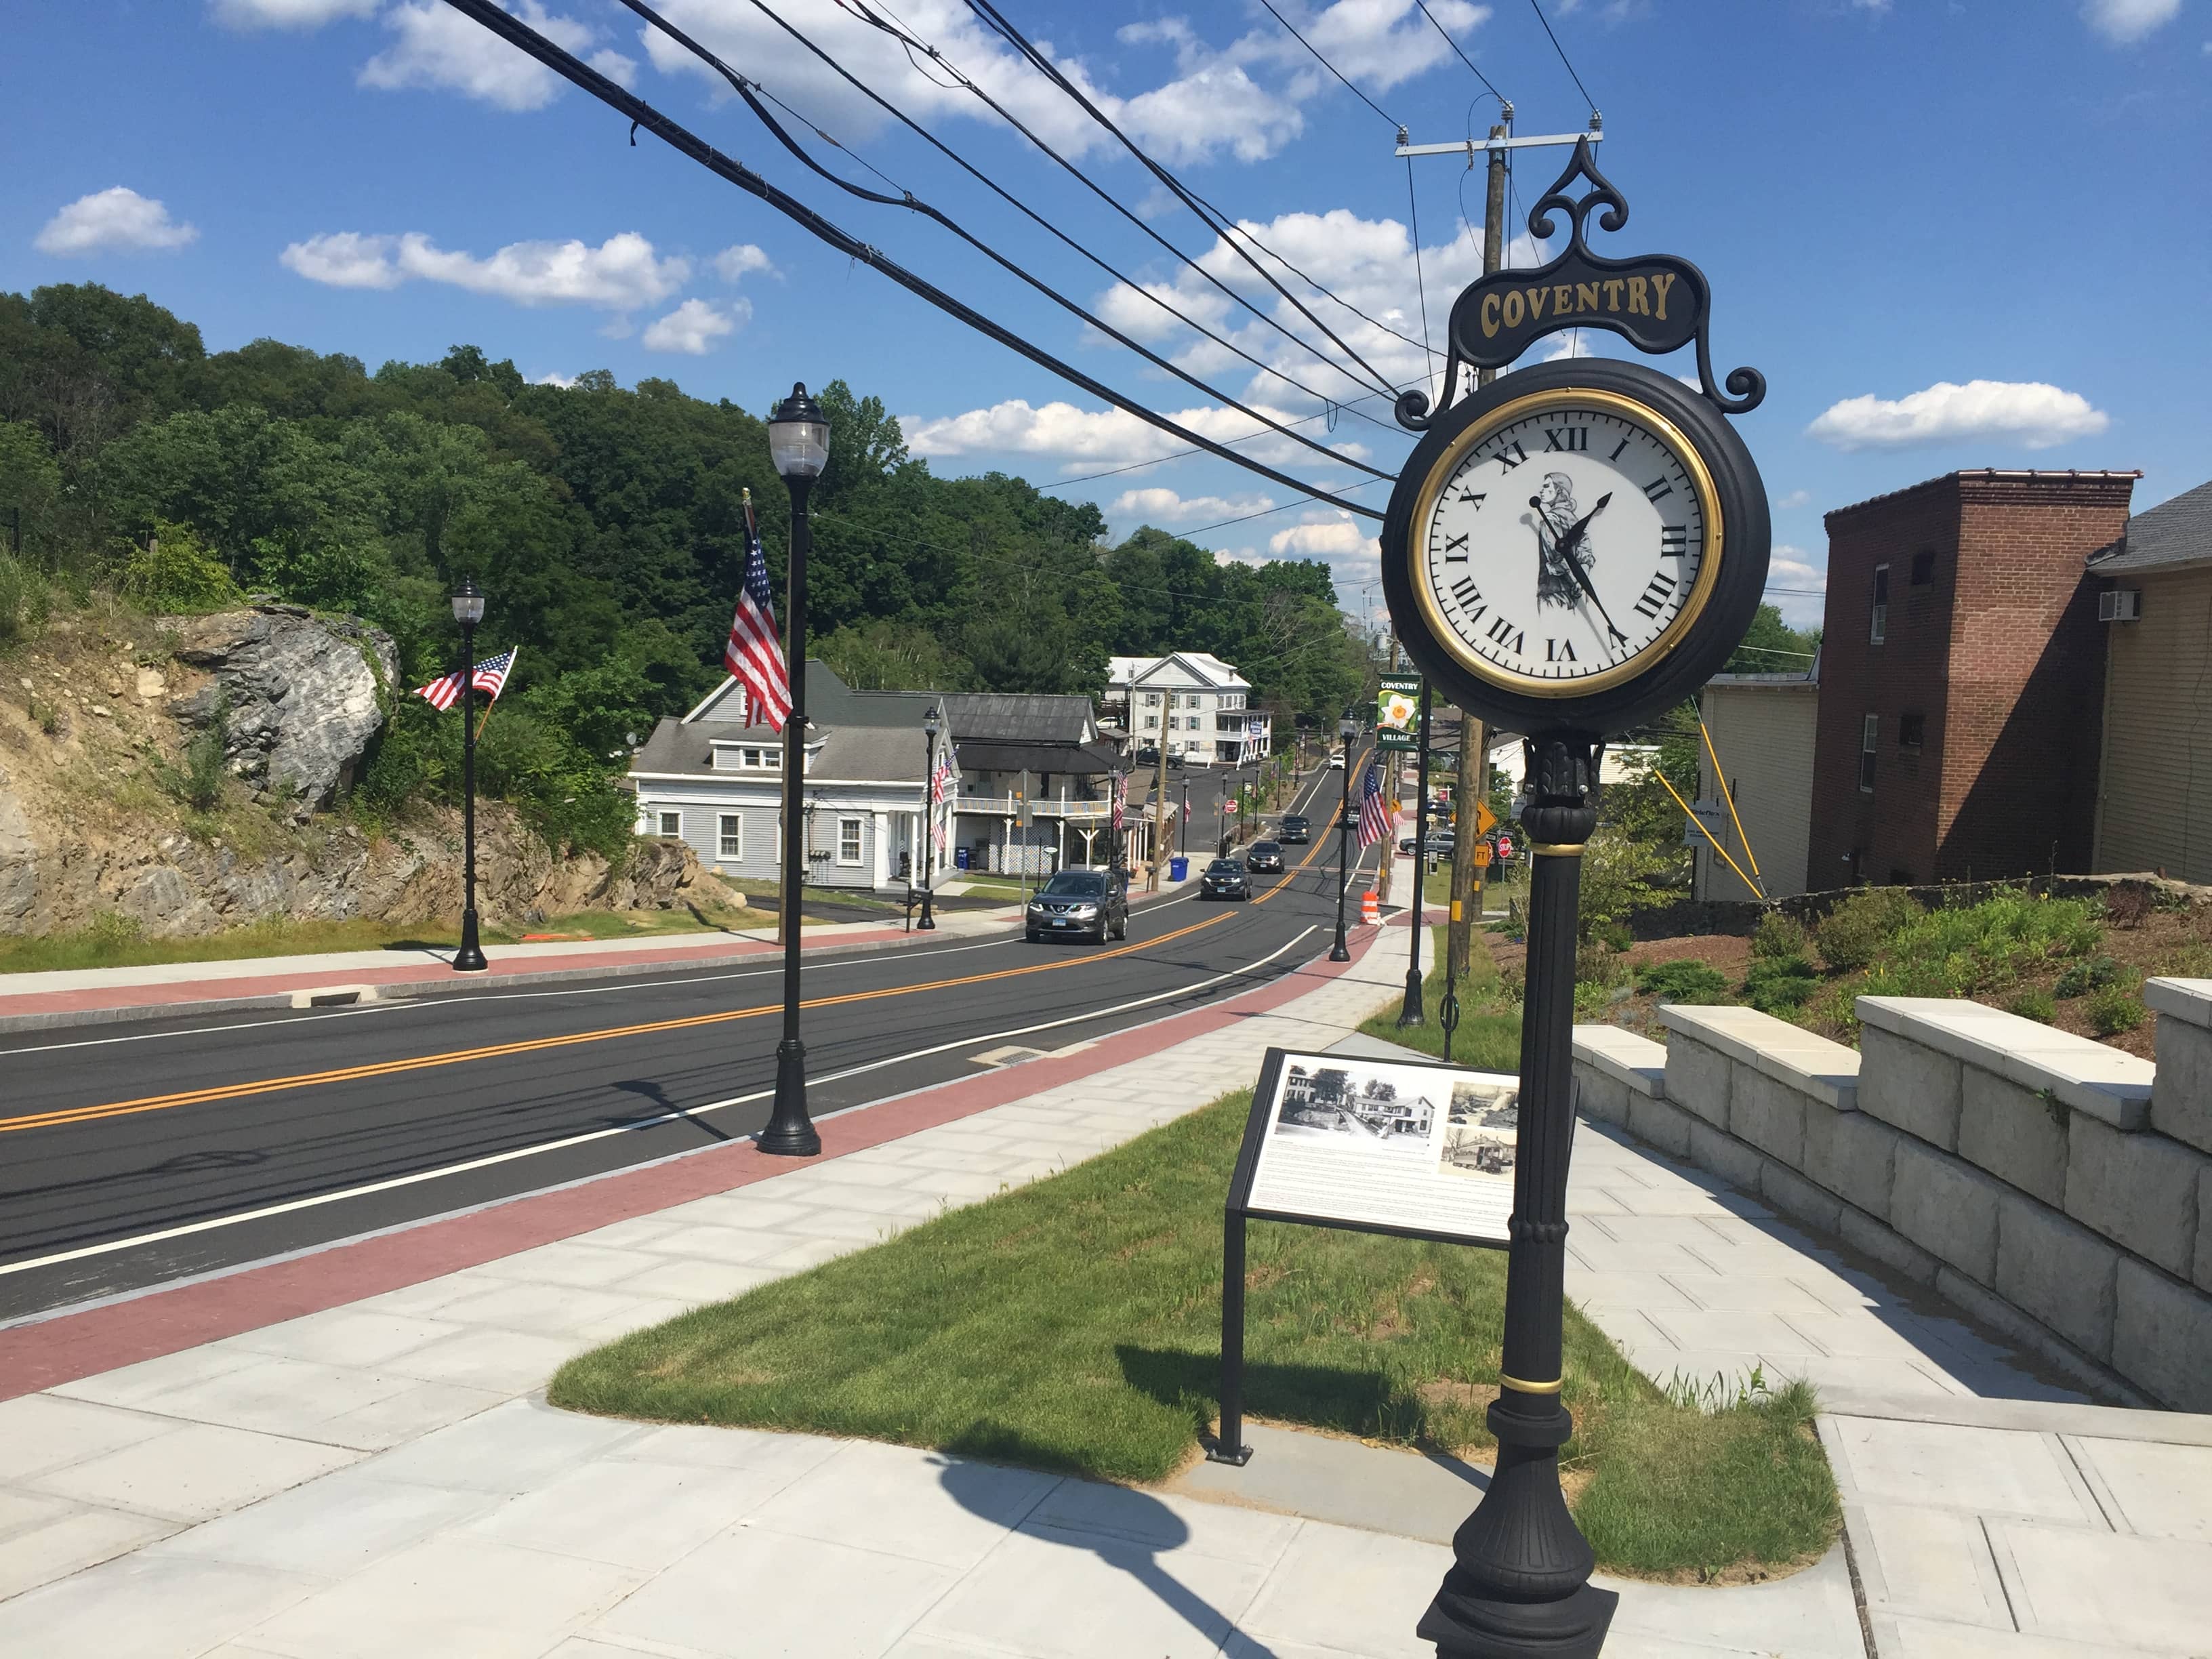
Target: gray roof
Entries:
(873, 754)
(830, 701)
(1078, 760)
(1017, 716)
(2174, 532)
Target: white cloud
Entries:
(2124, 22)
(741, 260)
(621, 70)
(1796, 498)
(696, 327)
(288, 14)
(112, 220)
(1793, 567)
(621, 273)
(1165, 506)
(440, 48)
(2028, 412)
(1086, 439)
(552, 378)
(1353, 555)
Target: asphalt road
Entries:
(184, 1147)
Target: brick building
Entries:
(1961, 679)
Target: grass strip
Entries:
(1488, 1037)
(1074, 1325)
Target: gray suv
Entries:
(1091, 904)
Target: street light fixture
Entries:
(1346, 729)
(930, 728)
(799, 442)
(468, 610)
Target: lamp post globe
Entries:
(1346, 729)
(468, 611)
(798, 443)
(930, 728)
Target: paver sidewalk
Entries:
(375, 1479)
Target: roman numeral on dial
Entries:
(1673, 541)
(1657, 491)
(1475, 495)
(1460, 542)
(1511, 456)
(1504, 635)
(1566, 438)
(1657, 592)
(1560, 651)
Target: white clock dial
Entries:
(1566, 543)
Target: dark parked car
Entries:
(1224, 879)
(1264, 855)
(1296, 827)
(1091, 904)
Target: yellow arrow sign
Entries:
(1485, 819)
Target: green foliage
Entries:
(2080, 978)
(1684, 980)
(23, 601)
(1780, 935)
(175, 572)
(1615, 936)
(1620, 876)
(1780, 985)
(1600, 967)
(1969, 949)
(2113, 1009)
(199, 783)
(2033, 1005)
(887, 656)
(1771, 645)
(1850, 935)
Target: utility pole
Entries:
(1472, 784)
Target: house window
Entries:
(1152, 722)
(1924, 569)
(1911, 730)
(1151, 699)
(671, 823)
(1870, 736)
(730, 842)
(1879, 628)
(848, 841)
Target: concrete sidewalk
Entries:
(373, 1477)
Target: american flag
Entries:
(755, 655)
(945, 781)
(489, 678)
(1374, 816)
(1120, 795)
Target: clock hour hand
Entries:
(1565, 553)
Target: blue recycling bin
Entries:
(1178, 869)
(960, 858)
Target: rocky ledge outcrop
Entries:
(300, 694)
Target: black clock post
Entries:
(1508, 613)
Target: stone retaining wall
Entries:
(2059, 1190)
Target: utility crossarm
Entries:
(1468, 147)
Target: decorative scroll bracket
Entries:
(1658, 303)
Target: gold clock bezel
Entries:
(1505, 415)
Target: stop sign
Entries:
(1505, 847)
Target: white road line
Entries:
(363, 1191)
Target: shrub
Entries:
(1777, 935)
(2083, 977)
(1616, 936)
(176, 572)
(1684, 981)
(1599, 965)
(23, 600)
(2113, 1009)
(1780, 985)
(1854, 932)
(2034, 1005)
(2127, 903)
(198, 782)
(1619, 878)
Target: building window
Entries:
(1879, 628)
(1152, 722)
(848, 841)
(1924, 569)
(730, 841)
(1870, 736)
(671, 823)
(1911, 730)
(1151, 699)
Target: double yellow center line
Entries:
(71, 1114)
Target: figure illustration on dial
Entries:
(1599, 569)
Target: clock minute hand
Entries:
(1568, 542)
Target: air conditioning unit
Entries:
(2120, 604)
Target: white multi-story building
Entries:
(1197, 705)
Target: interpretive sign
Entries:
(1404, 1147)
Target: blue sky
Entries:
(1952, 234)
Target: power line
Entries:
(1314, 283)
(1330, 67)
(989, 13)
(494, 17)
(1181, 454)
(746, 88)
(1463, 57)
(1005, 196)
(909, 38)
(1562, 50)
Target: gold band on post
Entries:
(1558, 849)
(1519, 1386)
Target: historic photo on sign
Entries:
(1359, 1103)
(1480, 1133)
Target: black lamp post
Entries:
(1341, 950)
(1183, 830)
(798, 441)
(929, 731)
(468, 610)
(1410, 1012)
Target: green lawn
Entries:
(1488, 1038)
(1074, 1324)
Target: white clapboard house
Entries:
(1197, 705)
(716, 781)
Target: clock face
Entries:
(1566, 543)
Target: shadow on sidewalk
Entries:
(1125, 1528)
